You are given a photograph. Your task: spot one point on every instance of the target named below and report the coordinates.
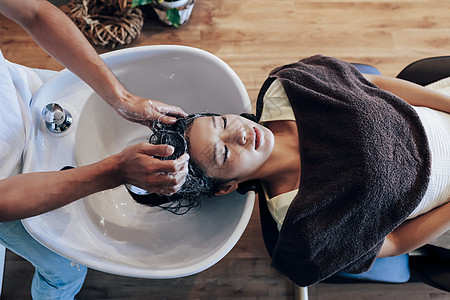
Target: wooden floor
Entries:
(243, 274)
(253, 37)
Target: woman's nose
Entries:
(238, 135)
(241, 136)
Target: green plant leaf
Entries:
(140, 2)
(173, 15)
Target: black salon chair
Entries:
(427, 70)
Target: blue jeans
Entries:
(55, 277)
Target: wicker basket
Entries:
(107, 23)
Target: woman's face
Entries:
(229, 146)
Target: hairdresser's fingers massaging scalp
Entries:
(229, 146)
(223, 149)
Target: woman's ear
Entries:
(227, 188)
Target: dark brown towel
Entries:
(365, 166)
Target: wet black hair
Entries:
(197, 183)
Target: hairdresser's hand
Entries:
(145, 111)
(138, 167)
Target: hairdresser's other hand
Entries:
(138, 166)
(145, 111)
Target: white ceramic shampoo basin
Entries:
(108, 231)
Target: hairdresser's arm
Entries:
(417, 232)
(31, 194)
(58, 35)
(412, 93)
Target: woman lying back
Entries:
(349, 172)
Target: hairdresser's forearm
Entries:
(58, 35)
(412, 93)
(31, 194)
(417, 232)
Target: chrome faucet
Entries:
(56, 118)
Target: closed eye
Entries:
(224, 122)
(225, 155)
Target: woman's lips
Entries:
(257, 138)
